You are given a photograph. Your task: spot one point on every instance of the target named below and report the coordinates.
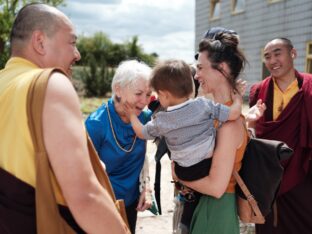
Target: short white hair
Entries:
(130, 71)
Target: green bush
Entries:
(96, 77)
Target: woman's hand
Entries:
(145, 201)
(174, 176)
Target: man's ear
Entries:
(293, 53)
(37, 41)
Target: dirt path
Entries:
(162, 224)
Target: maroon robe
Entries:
(18, 207)
(294, 127)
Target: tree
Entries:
(103, 48)
(135, 51)
(100, 56)
(97, 78)
(9, 8)
(98, 45)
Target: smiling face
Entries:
(207, 76)
(61, 50)
(278, 58)
(137, 94)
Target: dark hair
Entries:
(214, 31)
(173, 76)
(224, 48)
(195, 81)
(286, 41)
(31, 17)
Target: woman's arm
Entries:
(229, 138)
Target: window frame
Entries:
(233, 4)
(212, 10)
(264, 71)
(274, 1)
(308, 66)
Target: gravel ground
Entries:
(161, 224)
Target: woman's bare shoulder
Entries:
(233, 130)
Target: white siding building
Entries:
(257, 22)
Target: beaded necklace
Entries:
(114, 135)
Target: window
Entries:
(265, 71)
(238, 6)
(274, 1)
(309, 57)
(215, 9)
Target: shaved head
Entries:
(285, 41)
(34, 17)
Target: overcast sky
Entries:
(163, 26)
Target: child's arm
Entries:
(241, 86)
(236, 107)
(136, 125)
(135, 122)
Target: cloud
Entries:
(164, 27)
(96, 1)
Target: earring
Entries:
(118, 99)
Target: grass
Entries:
(88, 105)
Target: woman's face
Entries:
(207, 76)
(137, 94)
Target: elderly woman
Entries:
(115, 141)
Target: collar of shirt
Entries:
(170, 108)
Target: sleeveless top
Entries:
(238, 159)
(16, 147)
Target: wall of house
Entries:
(259, 23)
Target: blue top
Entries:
(123, 168)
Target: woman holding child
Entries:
(220, 63)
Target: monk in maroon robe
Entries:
(293, 125)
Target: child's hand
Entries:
(256, 111)
(237, 98)
(241, 86)
(129, 109)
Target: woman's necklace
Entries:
(114, 135)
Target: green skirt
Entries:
(216, 216)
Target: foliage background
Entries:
(99, 55)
